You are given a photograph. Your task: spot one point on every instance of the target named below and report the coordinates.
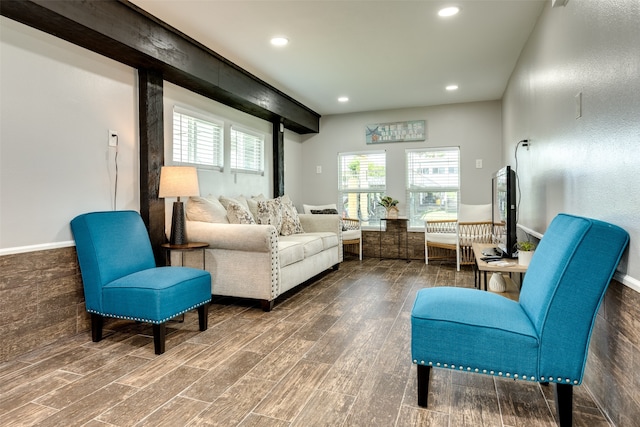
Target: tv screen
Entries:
(504, 211)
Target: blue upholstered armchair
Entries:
(545, 336)
(121, 279)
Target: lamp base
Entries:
(178, 226)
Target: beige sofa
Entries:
(254, 260)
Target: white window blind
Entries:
(433, 184)
(361, 184)
(247, 151)
(197, 140)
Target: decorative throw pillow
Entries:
(206, 209)
(238, 214)
(290, 221)
(270, 212)
(324, 211)
(308, 208)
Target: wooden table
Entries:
(508, 265)
(187, 247)
(399, 221)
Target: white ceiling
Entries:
(381, 54)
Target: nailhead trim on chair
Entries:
(500, 374)
(139, 319)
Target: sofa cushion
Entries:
(329, 239)
(312, 243)
(206, 209)
(445, 238)
(351, 235)
(290, 252)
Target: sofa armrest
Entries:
(239, 237)
(313, 223)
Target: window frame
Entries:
(446, 188)
(370, 221)
(233, 150)
(217, 140)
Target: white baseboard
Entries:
(627, 281)
(34, 248)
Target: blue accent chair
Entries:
(121, 279)
(544, 337)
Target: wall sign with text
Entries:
(380, 133)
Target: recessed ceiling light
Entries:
(449, 11)
(452, 87)
(343, 99)
(279, 41)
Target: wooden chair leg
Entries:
(97, 322)
(203, 316)
(423, 384)
(159, 337)
(564, 404)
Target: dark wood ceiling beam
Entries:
(127, 34)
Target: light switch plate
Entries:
(578, 105)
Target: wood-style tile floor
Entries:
(334, 353)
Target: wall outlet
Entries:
(478, 163)
(113, 138)
(318, 169)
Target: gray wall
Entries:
(58, 102)
(587, 165)
(475, 127)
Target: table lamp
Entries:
(178, 181)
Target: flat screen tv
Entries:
(504, 211)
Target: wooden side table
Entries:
(508, 266)
(399, 221)
(187, 247)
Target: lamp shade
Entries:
(177, 181)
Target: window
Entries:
(361, 184)
(433, 184)
(247, 150)
(197, 139)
